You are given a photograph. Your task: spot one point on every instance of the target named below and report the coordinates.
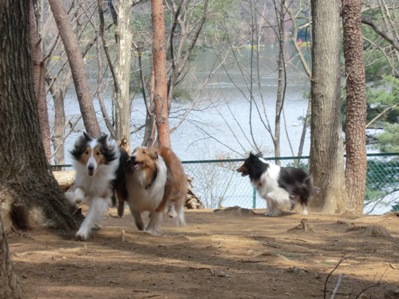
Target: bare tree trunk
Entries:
(326, 149)
(159, 62)
(77, 67)
(356, 156)
(58, 137)
(149, 133)
(29, 194)
(123, 38)
(38, 79)
(9, 287)
(282, 82)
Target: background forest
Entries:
(211, 45)
(238, 75)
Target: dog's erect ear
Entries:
(153, 152)
(253, 157)
(103, 139)
(87, 136)
(107, 142)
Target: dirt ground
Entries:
(232, 253)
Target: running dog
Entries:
(281, 187)
(99, 165)
(155, 181)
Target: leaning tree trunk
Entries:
(326, 147)
(72, 50)
(29, 194)
(159, 63)
(38, 77)
(356, 156)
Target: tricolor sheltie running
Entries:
(99, 165)
(155, 181)
(281, 187)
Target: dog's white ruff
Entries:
(141, 199)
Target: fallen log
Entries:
(65, 179)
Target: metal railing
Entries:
(218, 184)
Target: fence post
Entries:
(253, 198)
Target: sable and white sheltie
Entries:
(281, 187)
(99, 165)
(155, 181)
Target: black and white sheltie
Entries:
(99, 165)
(281, 187)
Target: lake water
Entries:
(219, 124)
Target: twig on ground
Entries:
(328, 276)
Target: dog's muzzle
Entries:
(90, 169)
(242, 170)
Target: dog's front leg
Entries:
(155, 223)
(272, 206)
(97, 208)
(137, 219)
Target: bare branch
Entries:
(367, 20)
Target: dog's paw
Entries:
(172, 212)
(152, 231)
(273, 213)
(81, 235)
(80, 238)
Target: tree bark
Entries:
(326, 148)
(282, 80)
(356, 106)
(9, 287)
(29, 194)
(159, 63)
(77, 68)
(123, 38)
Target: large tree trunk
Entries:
(123, 38)
(72, 50)
(356, 156)
(9, 287)
(159, 62)
(38, 79)
(29, 194)
(326, 149)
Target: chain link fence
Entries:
(218, 184)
